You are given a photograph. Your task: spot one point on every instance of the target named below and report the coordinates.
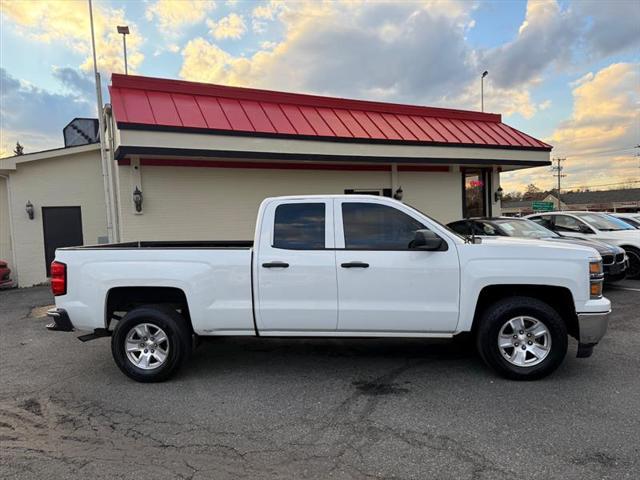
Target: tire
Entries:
(634, 262)
(513, 362)
(144, 362)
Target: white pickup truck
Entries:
(334, 266)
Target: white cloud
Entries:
(67, 24)
(173, 15)
(598, 138)
(231, 26)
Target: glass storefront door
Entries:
(476, 184)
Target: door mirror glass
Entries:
(427, 240)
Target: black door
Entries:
(62, 228)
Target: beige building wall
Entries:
(5, 231)
(184, 203)
(70, 180)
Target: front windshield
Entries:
(603, 222)
(524, 228)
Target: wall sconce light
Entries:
(498, 195)
(137, 199)
(30, 210)
(398, 194)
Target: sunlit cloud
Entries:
(599, 138)
(232, 26)
(67, 24)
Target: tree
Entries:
(19, 150)
(531, 193)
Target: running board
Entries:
(97, 333)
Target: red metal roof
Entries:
(179, 105)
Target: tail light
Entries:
(58, 278)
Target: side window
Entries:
(299, 226)
(565, 223)
(486, 229)
(370, 226)
(460, 227)
(545, 220)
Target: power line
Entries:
(603, 184)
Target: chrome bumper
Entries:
(592, 326)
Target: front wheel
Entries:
(634, 262)
(522, 338)
(150, 343)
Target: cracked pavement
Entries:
(316, 409)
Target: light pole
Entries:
(484, 74)
(124, 31)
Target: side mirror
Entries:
(584, 229)
(427, 240)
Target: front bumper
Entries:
(593, 326)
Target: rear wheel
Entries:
(150, 343)
(522, 338)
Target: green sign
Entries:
(538, 206)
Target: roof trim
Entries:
(375, 141)
(124, 151)
(254, 94)
(10, 162)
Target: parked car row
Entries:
(617, 242)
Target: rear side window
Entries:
(564, 223)
(299, 226)
(370, 226)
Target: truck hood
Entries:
(536, 248)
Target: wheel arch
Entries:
(126, 298)
(559, 298)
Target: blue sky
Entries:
(564, 71)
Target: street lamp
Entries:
(124, 31)
(484, 74)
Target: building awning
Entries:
(144, 103)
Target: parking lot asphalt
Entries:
(260, 408)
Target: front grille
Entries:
(620, 257)
(607, 259)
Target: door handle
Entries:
(275, 265)
(354, 265)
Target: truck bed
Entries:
(171, 244)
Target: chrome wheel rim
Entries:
(147, 346)
(524, 341)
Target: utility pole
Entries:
(103, 151)
(557, 172)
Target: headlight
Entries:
(596, 278)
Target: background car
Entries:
(596, 226)
(632, 219)
(5, 275)
(614, 260)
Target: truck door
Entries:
(295, 268)
(383, 285)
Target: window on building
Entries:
(369, 226)
(299, 226)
